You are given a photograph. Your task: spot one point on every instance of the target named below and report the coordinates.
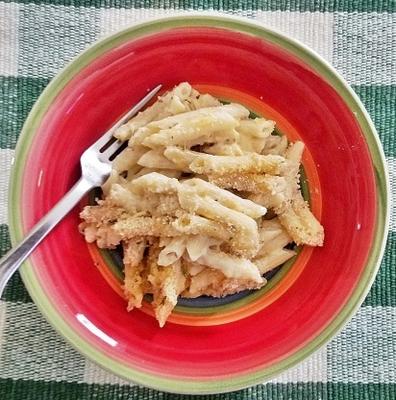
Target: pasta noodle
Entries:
(191, 224)
(248, 163)
(227, 199)
(155, 159)
(245, 238)
(181, 99)
(231, 266)
(273, 259)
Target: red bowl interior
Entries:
(104, 90)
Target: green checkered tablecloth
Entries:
(38, 37)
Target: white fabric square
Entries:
(314, 29)
(9, 43)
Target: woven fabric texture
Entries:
(38, 37)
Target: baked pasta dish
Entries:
(204, 200)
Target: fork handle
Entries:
(15, 257)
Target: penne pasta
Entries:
(275, 145)
(208, 129)
(155, 159)
(191, 224)
(231, 266)
(181, 158)
(204, 201)
(226, 198)
(224, 149)
(128, 158)
(273, 259)
(245, 234)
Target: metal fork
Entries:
(95, 169)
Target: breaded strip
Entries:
(104, 212)
(133, 226)
(275, 192)
(161, 204)
(168, 204)
(211, 282)
(190, 224)
(294, 214)
(300, 223)
(248, 163)
(97, 224)
(104, 235)
(134, 271)
(166, 283)
(253, 183)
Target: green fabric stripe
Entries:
(17, 96)
(380, 102)
(292, 5)
(383, 291)
(15, 290)
(40, 390)
(5, 242)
